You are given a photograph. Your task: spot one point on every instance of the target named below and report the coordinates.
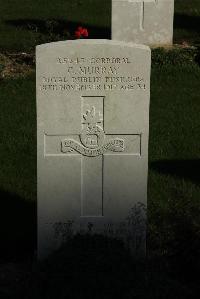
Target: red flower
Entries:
(81, 32)
(85, 33)
(77, 34)
(80, 28)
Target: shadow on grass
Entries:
(86, 267)
(190, 24)
(185, 169)
(59, 27)
(96, 267)
(17, 227)
(182, 21)
(101, 268)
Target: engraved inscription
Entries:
(93, 74)
(116, 145)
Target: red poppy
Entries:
(85, 32)
(77, 34)
(81, 32)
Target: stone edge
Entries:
(95, 42)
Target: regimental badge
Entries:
(92, 138)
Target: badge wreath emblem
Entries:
(92, 138)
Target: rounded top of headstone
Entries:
(93, 42)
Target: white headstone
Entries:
(92, 141)
(148, 22)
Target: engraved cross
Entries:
(142, 10)
(93, 144)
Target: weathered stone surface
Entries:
(148, 22)
(92, 141)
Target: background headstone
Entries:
(148, 22)
(92, 141)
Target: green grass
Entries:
(26, 23)
(174, 192)
(175, 104)
(18, 137)
(187, 21)
(187, 7)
